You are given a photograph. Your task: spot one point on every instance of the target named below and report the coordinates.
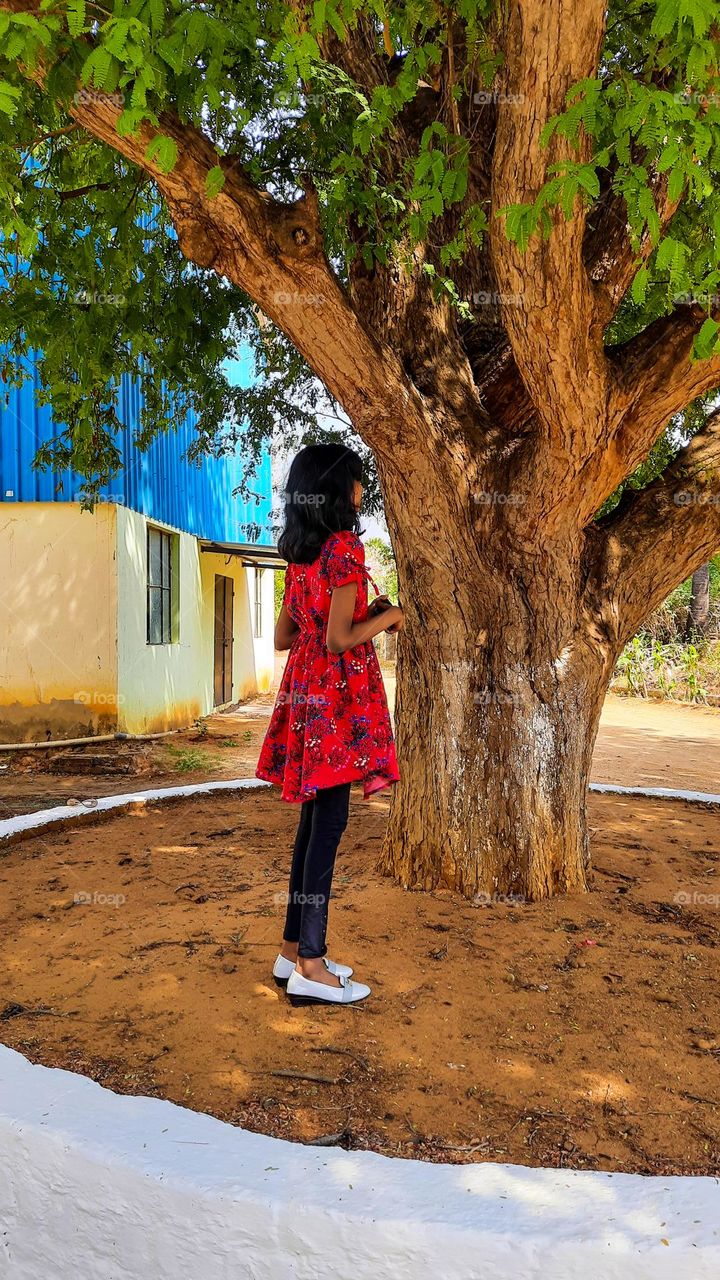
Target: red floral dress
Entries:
(330, 723)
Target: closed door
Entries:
(223, 639)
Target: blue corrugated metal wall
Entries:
(159, 483)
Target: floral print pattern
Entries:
(330, 723)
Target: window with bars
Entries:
(257, 605)
(159, 586)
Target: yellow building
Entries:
(112, 621)
(138, 616)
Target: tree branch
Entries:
(658, 536)
(275, 253)
(610, 257)
(655, 378)
(556, 333)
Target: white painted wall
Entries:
(94, 1186)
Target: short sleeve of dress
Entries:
(345, 560)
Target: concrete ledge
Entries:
(102, 1187)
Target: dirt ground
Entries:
(582, 1032)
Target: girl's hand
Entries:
(395, 617)
(379, 605)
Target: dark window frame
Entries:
(164, 587)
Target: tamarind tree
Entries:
(490, 232)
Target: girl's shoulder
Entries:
(343, 542)
(343, 559)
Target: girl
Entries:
(330, 725)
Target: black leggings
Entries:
(322, 822)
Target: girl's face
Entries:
(357, 494)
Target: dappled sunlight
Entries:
(174, 848)
(549, 1196)
(160, 987)
(605, 1089)
(233, 1078)
(266, 993)
(517, 1069)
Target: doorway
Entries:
(224, 596)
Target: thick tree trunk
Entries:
(500, 684)
(494, 774)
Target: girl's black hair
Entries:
(318, 500)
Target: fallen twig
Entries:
(304, 1075)
(330, 1139)
(22, 1011)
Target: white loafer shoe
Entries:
(302, 991)
(283, 968)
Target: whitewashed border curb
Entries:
(29, 822)
(102, 1187)
(99, 1186)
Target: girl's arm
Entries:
(343, 633)
(285, 630)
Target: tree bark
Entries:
(500, 684)
(699, 611)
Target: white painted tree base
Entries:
(97, 1186)
(94, 1186)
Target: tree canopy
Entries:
(384, 116)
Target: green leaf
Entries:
(639, 285)
(9, 98)
(75, 16)
(96, 69)
(214, 181)
(157, 14)
(676, 184)
(706, 342)
(163, 152)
